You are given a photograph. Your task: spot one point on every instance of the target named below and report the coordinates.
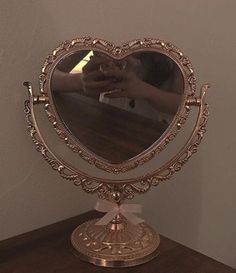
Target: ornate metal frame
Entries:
(111, 189)
(143, 245)
(117, 52)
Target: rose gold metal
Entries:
(113, 188)
(36, 99)
(109, 247)
(126, 188)
(118, 52)
(40, 99)
(118, 248)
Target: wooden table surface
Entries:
(48, 250)
(110, 132)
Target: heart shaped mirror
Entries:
(116, 107)
(113, 106)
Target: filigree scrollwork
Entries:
(108, 188)
(127, 189)
(119, 243)
(101, 243)
(165, 172)
(118, 52)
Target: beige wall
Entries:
(197, 208)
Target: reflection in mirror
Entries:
(117, 108)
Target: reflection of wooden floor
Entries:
(111, 133)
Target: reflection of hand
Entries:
(126, 84)
(129, 85)
(94, 80)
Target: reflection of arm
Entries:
(91, 81)
(168, 101)
(163, 101)
(79, 83)
(63, 80)
(66, 82)
(132, 87)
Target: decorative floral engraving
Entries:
(124, 189)
(100, 242)
(117, 52)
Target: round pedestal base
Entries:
(115, 245)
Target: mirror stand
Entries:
(118, 243)
(88, 88)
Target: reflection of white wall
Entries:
(198, 206)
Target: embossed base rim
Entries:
(82, 246)
(117, 264)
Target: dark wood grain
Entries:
(110, 132)
(48, 250)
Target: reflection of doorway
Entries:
(78, 68)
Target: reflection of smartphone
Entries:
(110, 66)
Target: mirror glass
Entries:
(117, 108)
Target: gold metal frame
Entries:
(117, 52)
(110, 187)
(123, 243)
